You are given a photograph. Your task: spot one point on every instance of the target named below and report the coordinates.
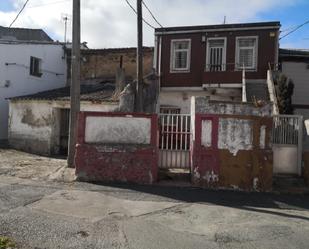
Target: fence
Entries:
(174, 140)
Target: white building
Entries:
(30, 62)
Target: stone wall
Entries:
(114, 147)
(101, 64)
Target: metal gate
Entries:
(287, 144)
(174, 141)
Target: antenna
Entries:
(65, 18)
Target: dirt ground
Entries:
(23, 165)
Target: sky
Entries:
(111, 23)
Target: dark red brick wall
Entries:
(119, 162)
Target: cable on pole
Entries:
(136, 14)
(153, 16)
(24, 6)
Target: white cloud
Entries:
(111, 23)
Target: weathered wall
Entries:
(130, 156)
(30, 126)
(102, 64)
(231, 147)
(34, 126)
(182, 99)
(19, 81)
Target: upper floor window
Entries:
(216, 54)
(35, 66)
(180, 55)
(246, 52)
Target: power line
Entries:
(136, 14)
(154, 18)
(19, 13)
(292, 31)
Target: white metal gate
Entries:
(175, 141)
(287, 144)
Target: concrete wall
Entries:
(34, 126)
(129, 153)
(15, 79)
(231, 146)
(182, 98)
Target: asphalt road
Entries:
(40, 214)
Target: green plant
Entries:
(285, 89)
(6, 243)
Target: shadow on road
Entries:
(256, 202)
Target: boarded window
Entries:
(216, 54)
(35, 66)
(181, 55)
(246, 53)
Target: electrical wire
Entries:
(136, 14)
(153, 16)
(24, 6)
(295, 29)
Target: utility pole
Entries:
(75, 83)
(139, 84)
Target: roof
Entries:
(298, 53)
(111, 50)
(23, 34)
(94, 93)
(240, 26)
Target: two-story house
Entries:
(30, 62)
(211, 61)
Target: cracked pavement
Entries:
(41, 213)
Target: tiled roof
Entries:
(94, 93)
(23, 34)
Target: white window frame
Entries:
(173, 69)
(240, 67)
(223, 55)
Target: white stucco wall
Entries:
(34, 126)
(182, 99)
(20, 81)
(122, 130)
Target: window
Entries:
(246, 52)
(169, 110)
(216, 54)
(180, 55)
(35, 66)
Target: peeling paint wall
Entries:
(34, 126)
(235, 135)
(128, 154)
(231, 147)
(118, 130)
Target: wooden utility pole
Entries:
(75, 83)
(139, 84)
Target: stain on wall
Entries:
(30, 119)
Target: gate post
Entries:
(300, 146)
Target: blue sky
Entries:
(116, 22)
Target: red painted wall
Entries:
(119, 162)
(249, 170)
(267, 47)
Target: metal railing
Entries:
(174, 140)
